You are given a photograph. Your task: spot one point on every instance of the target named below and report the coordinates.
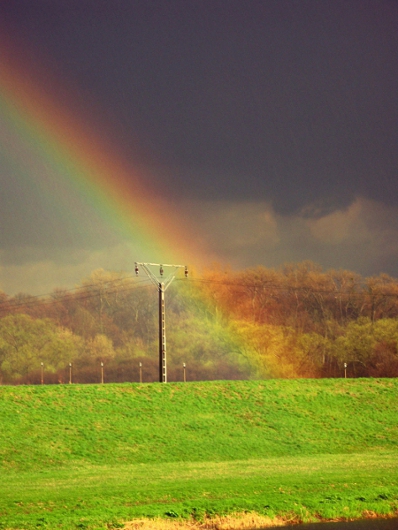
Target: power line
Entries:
(294, 288)
(41, 300)
(33, 300)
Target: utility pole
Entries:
(161, 287)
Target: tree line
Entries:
(296, 321)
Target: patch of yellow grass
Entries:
(246, 521)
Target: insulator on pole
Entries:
(161, 270)
(186, 271)
(136, 270)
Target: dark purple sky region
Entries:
(275, 121)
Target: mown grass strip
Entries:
(302, 488)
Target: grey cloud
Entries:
(362, 237)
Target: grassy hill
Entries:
(45, 426)
(254, 434)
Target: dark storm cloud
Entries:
(269, 126)
(292, 102)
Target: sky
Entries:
(242, 132)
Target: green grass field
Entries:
(96, 456)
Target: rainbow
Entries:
(56, 151)
(40, 132)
